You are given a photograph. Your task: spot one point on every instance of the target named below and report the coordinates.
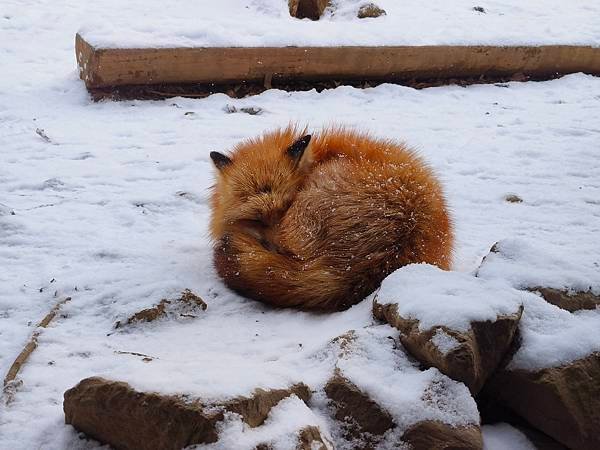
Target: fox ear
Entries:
(296, 150)
(220, 160)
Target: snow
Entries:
(281, 429)
(436, 297)
(444, 342)
(261, 23)
(526, 266)
(502, 436)
(553, 337)
(394, 381)
(111, 209)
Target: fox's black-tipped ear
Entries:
(220, 160)
(296, 150)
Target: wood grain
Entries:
(104, 67)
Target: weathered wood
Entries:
(311, 9)
(106, 67)
(31, 345)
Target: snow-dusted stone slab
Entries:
(291, 425)
(558, 280)
(453, 321)
(384, 400)
(553, 380)
(114, 413)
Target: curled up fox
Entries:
(317, 222)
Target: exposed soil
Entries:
(240, 90)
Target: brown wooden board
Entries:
(113, 67)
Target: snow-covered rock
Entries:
(563, 401)
(558, 278)
(453, 321)
(385, 400)
(554, 377)
(114, 413)
(291, 425)
(370, 10)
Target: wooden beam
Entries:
(107, 67)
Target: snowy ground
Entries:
(111, 209)
(407, 22)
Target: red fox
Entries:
(317, 222)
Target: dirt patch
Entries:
(188, 305)
(245, 89)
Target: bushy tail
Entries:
(276, 278)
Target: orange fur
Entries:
(322, 233)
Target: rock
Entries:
(254, 410)
(513, 198)
(561, 282)
(432, 435)
(563, 402)
(370, 10)
(378, 394)
(496, 417)
(553, 378)
(470, 357)
(188, 305)
(350, 403)
(468, 353)
(291, 425)
(311, 438)
(113, 412)
(311, 9)
(571, 301)
(540, 440)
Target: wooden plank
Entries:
(105, 67)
